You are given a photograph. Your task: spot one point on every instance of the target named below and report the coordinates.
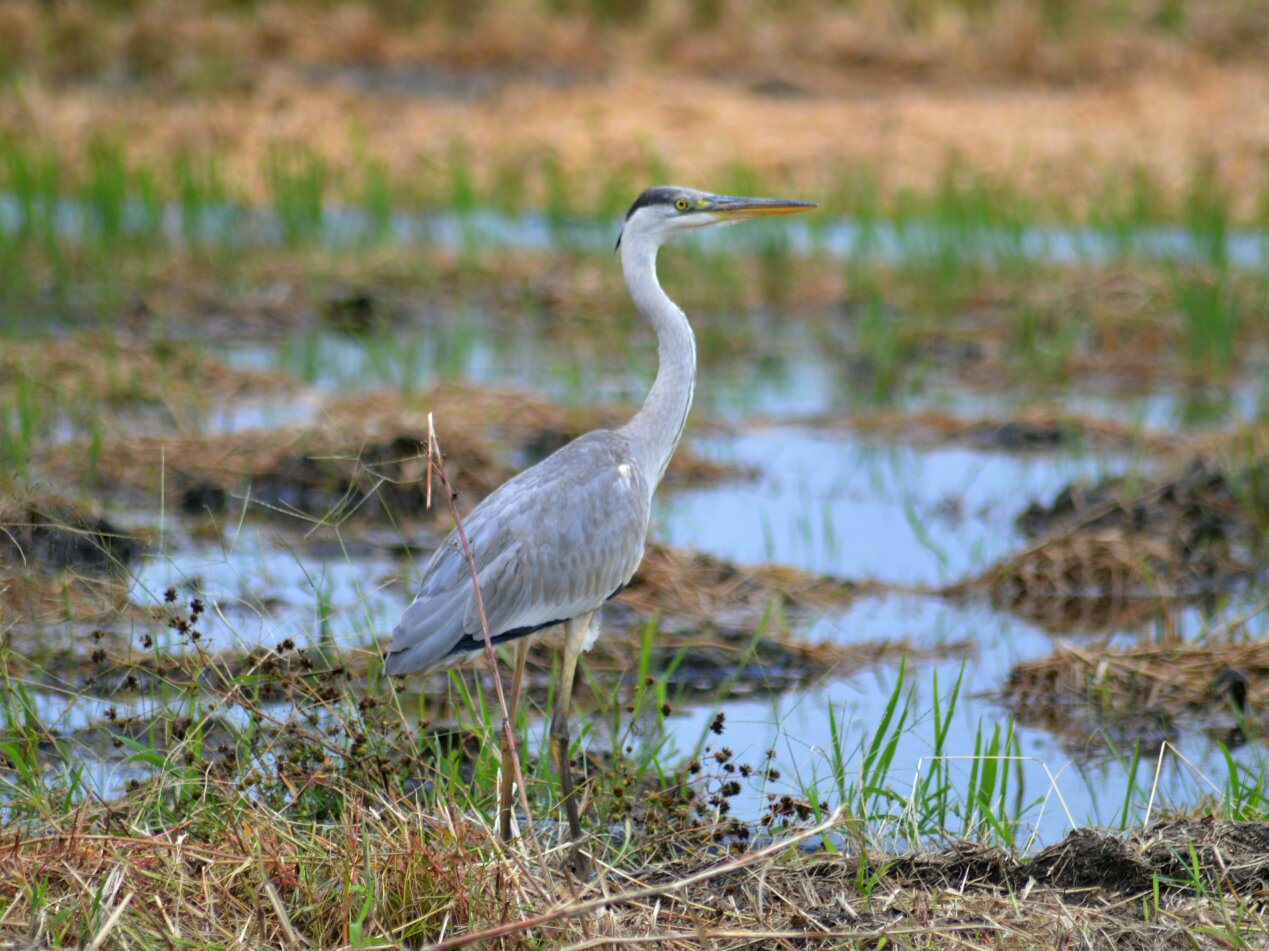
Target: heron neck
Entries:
(656, 429)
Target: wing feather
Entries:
(551, 544)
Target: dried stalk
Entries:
(435, 460)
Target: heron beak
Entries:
(727, 208)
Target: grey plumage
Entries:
(551, 544)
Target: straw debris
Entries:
(1106, 551)
(52, 534)
(61, 562)
(677, 583)
(527, 428)
(36, 601)
(1039, 430)
(1162, 680)
(311, 475)
(251, 807)
(115, 370)
(441, 878)
(1226, 855)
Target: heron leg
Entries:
(508, 764)
(574, 639)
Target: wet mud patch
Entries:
(700, 663)
(51, 535)
(693, 588)
(312, 476)
(1204, 502)
(61, 562)
(367, 462)
(118, 372)
(1037, 431)
(719, 624)
(1094, 866)
(1117, 695)
(1106, 551)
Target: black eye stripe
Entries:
(660, 195)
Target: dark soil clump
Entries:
(204, 498)
(316, 476)
(1129, 694)
(1181, 853)
(56, 535)
(1192, 511)
(355, 311)
(1106, 552)
(1090, 859)
(1021, 436)
(367, 461)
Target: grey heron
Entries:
(555, 542)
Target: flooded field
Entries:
(952, 626)
(908, 499)
(826, 548)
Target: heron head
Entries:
(667, 211)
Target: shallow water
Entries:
(796, 381)
(263, 586)
(1058, 782)
(782, 378)
(1065, 781)
(866, 509)
(836, 504)
(885, 241)
(263, 413)
(833, 504)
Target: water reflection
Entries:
(785, 378)
(1059, 777)
(865, 509)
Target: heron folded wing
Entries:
(577, 541)
(427, 630)
(549, 545)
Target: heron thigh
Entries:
(592, 631)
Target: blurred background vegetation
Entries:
(1086, 107)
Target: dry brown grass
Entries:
(61, 563)
(313, 475)
(443, 879)
(675, 582)
(952, 42)
(120, 371)
(795, 97)
(1115, 551)
(33, 601)
(1175, 678)
(1040, 429)
(1045, 141)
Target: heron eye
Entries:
(681, 204)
